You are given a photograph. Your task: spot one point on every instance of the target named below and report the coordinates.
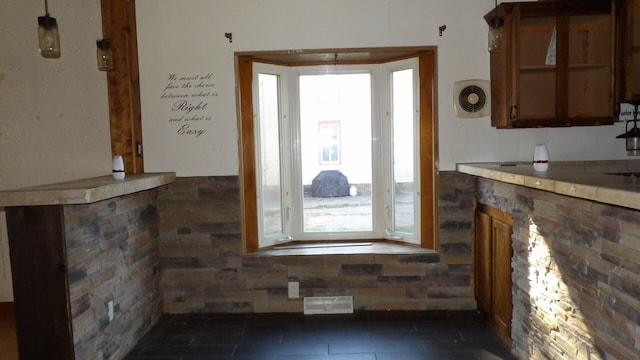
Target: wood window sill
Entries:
(350, 248)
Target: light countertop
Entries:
(594, 180)
(84, 191)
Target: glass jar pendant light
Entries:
(496, 27)
(48, 38)
(495, 34)
(104, 55)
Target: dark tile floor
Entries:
(408, 335)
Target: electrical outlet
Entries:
(294, 290)
(110, 310)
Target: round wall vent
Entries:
(471, 98)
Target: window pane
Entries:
(403, 144)
(269, 171)
(335, 126)
(329, 143)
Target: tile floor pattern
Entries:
(410, 335)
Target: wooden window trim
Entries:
(119, 25)
(428, 140)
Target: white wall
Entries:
(190, 40)
(54, 118)
(54, 113)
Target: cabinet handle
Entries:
(513, 113)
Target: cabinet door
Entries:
(590, 71)
(536, 69)
(556, 67)
(501, 299)
(483, 262)
(635, 51)
(492, 247)
(628, 51)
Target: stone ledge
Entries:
(348, 248)
(586, 180)
(84, 191)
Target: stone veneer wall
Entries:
(112, 252)
(576, 280)
(204, 270)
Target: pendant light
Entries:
(632, 135)
(104, 55)
(496, 30)
(48, 38)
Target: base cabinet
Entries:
(493, 252)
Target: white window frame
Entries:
(387, 155)
(382, 146)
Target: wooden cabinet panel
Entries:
(483, 262)
(634, 76)
(492, 247)
(40, 282)
(628, 51)
(556, 67)
(501, 286)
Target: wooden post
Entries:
(119, 26)
(40, 282)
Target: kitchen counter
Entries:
(75, 247)
(84, 191)
(610, 182)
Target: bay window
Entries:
(338, 152)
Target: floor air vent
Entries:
(328, 305)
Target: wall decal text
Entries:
(187, 99)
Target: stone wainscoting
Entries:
(112, 256)
(576, 280)
(204, 270)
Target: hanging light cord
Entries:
(46, 7)
(496, 22)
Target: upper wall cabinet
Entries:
(628, 66)
(556, 65)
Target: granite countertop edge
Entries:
(84, 191)
(615, 182)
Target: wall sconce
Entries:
(631, 135)
(48, 38)
(496, 30)
(104, 55)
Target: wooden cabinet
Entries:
(556, 66)
(628, 51)
(492, 245)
